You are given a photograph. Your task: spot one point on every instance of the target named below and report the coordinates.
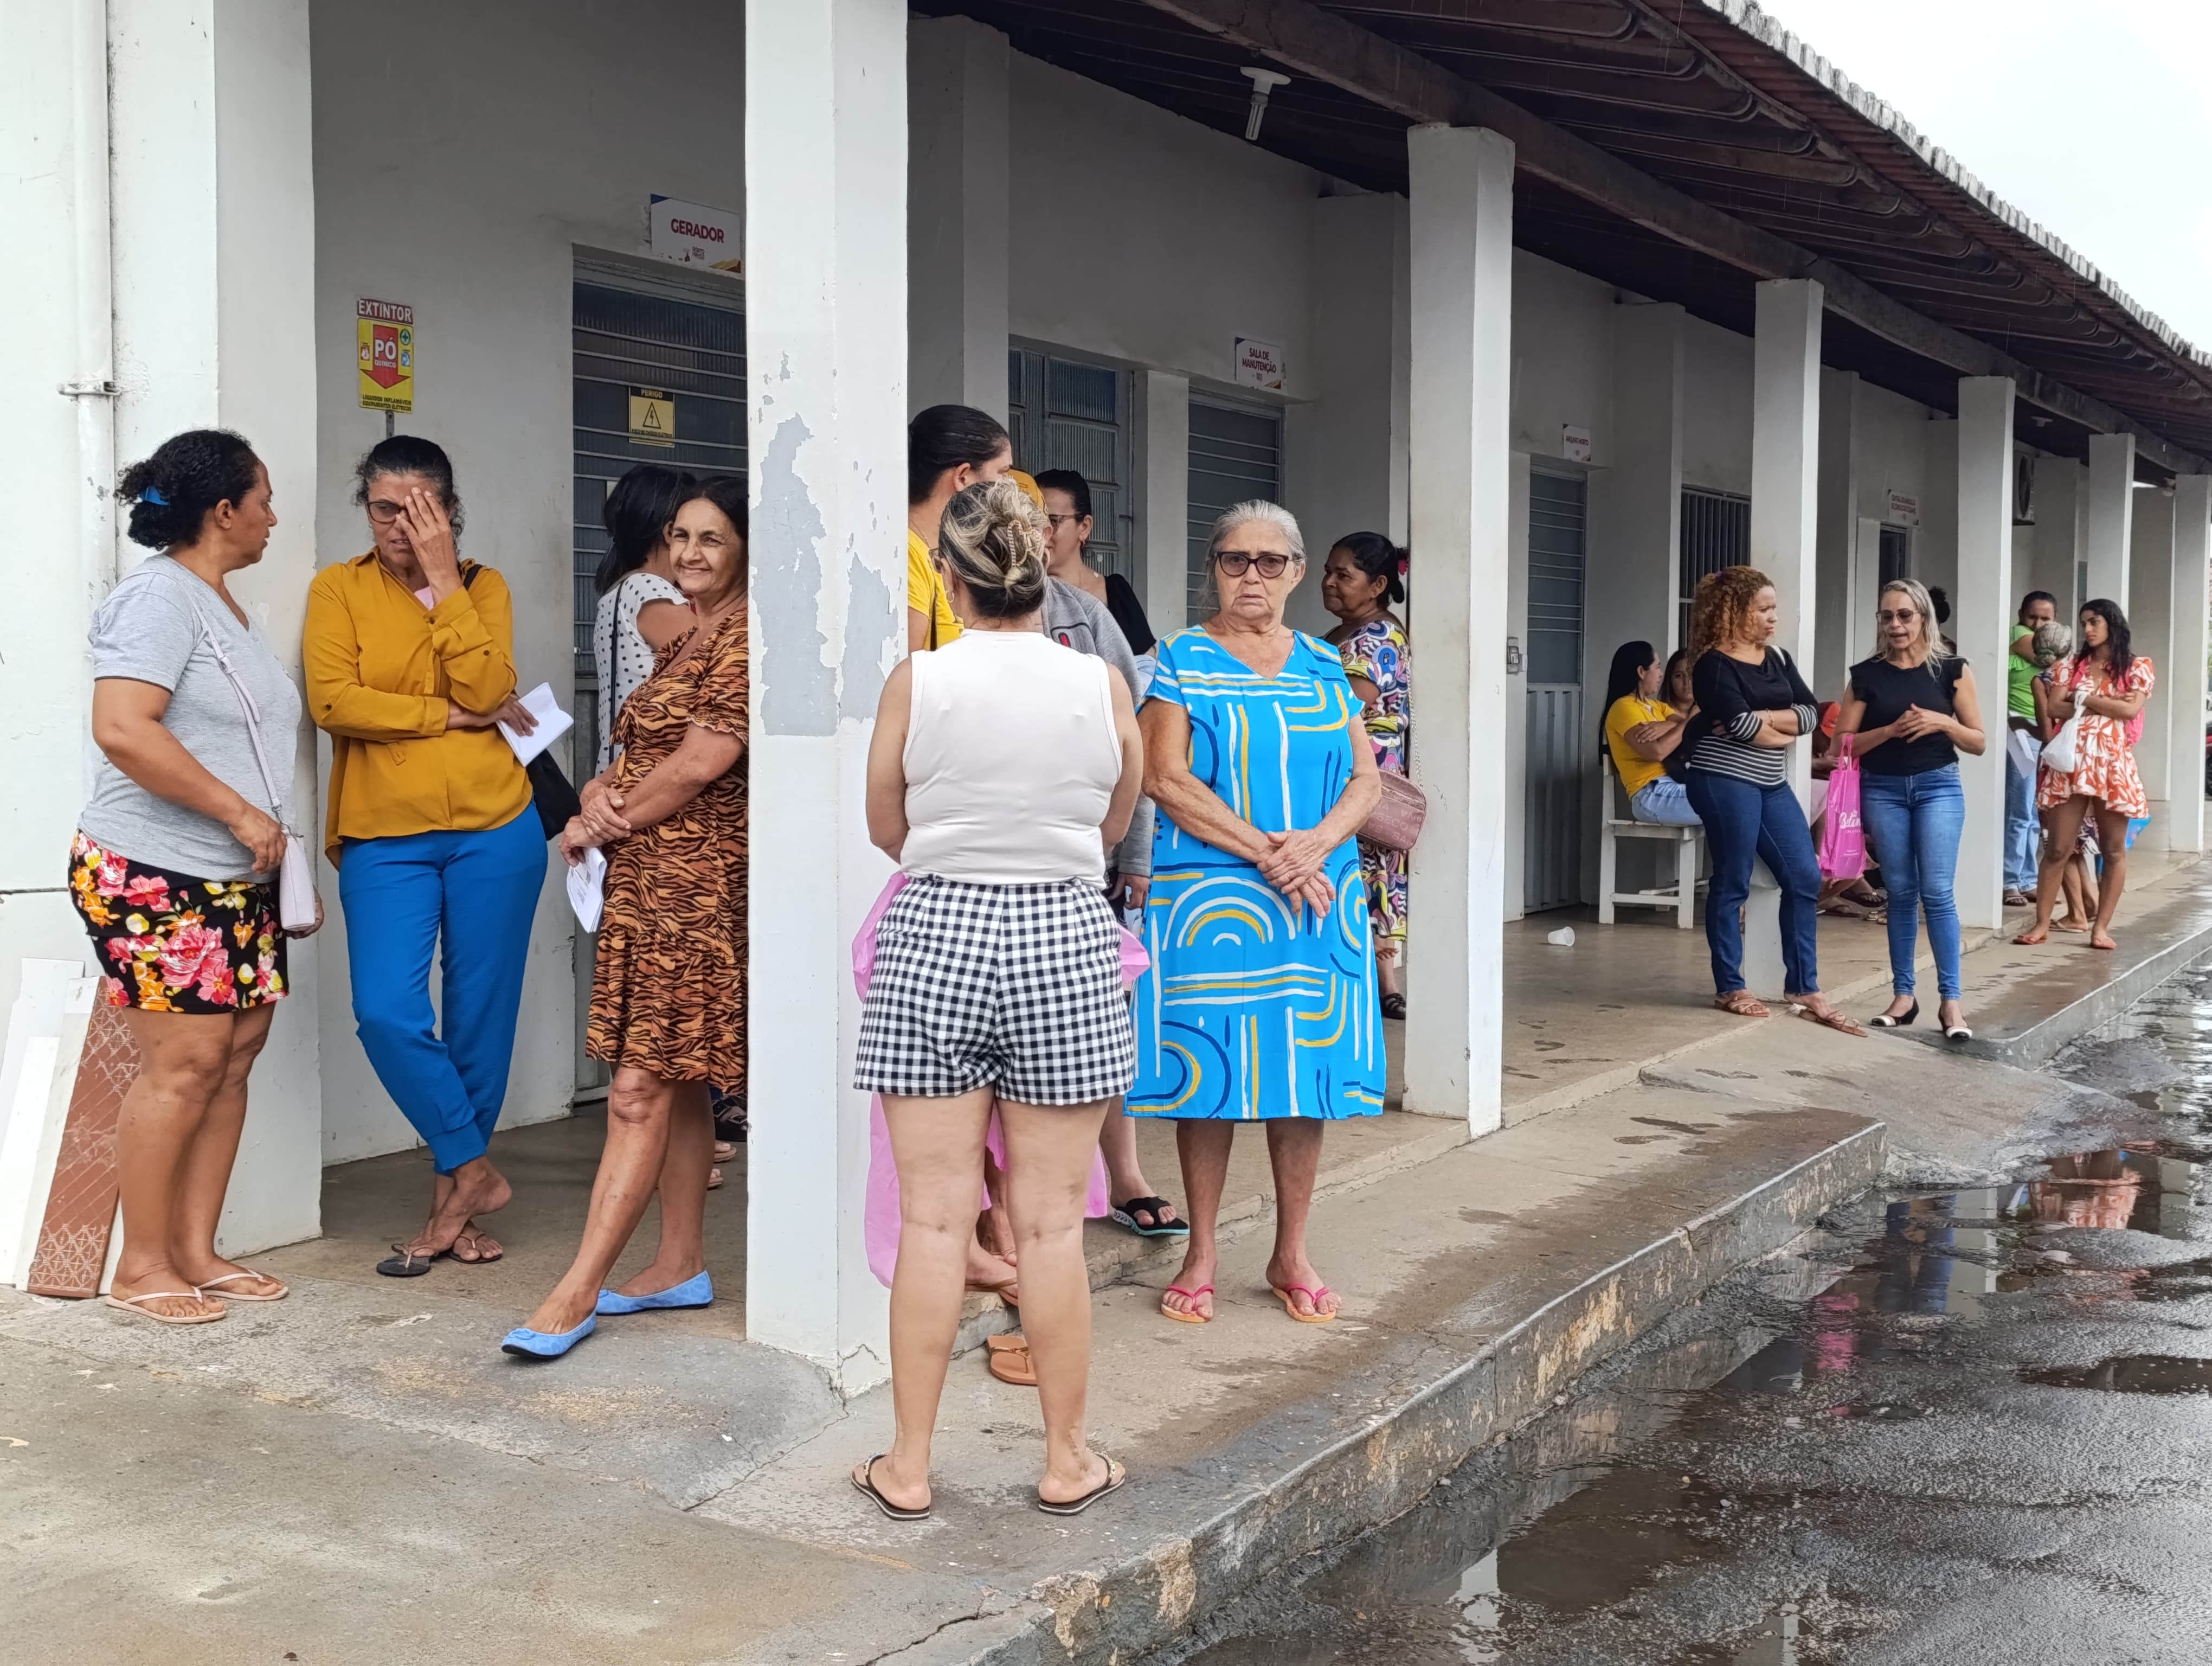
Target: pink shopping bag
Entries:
(1843, 841)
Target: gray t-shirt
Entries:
(153, 628)
(1075, 618)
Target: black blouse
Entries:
(1731, 696)
(1129, 613)
(1888, 691)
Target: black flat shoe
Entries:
(405, 1263)
(1902, 1021)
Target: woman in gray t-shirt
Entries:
(175, 858)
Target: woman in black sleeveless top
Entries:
(1911, 712)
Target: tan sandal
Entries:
(129, 1305)
(283, 1289)
(1009, 1361)
(1834, 1019)
(1743, 1004)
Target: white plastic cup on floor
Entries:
(1562, 939)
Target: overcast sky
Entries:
(2093, 120)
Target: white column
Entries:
(959, 207)
(2111, 509)
(1164, 404)
(1636, 505)
(1785, 468)
(825, 199)
(2192, 579)
(1461, 191)
(2150, 625)
(1982, 611)
(1845, 620)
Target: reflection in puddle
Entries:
(2131, 1373)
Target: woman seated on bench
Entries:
(1642, 731)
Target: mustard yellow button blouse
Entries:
(380, 667)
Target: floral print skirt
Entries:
(170, 943)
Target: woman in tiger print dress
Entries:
(668, 998)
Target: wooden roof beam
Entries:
(1315, 43)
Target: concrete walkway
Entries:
(357, 1474)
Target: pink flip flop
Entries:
(1167, 1312)
(1283, 1292)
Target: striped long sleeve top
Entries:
(1730, 697)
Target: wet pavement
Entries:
(1964, 1427)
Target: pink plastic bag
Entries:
(1843, 841)
(879, 1219)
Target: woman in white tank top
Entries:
(1003, 768)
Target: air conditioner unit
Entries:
(2023, 488)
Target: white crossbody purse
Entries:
(297, 908)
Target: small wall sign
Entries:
(652, 418)
(1574, 443)
(385, 334)
(693, 234)
(1259, 364)
(1903, 511)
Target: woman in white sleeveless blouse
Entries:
(1004, 766)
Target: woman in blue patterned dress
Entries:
(1364, 575)
(1260, 1003)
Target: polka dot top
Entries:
(624, 658)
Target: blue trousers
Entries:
(1913, 823)
(1744, 820)
(2023, 829)
(476, 892)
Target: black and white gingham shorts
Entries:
(1015, 986)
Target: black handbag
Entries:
(557, 801)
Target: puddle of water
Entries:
(2131, 1373)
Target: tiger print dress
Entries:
(668, 993)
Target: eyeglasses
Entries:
(1897, 616)
(383, 511)
(1237, 562)
(1058, 521)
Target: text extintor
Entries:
(652, 418)
(386, 334)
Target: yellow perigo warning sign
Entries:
(652, 418)
(386, 334)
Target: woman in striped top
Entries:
(1751, 707)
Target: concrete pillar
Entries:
(826, 194)
(1982, 611)
(1515, 883)
(1845, 617)
(2192, 583)
(1164, 410)
(1461, 191)
(958, 207)
(2112, 509)
(2151, 584)
(1785, 469)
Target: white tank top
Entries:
(1011, 758)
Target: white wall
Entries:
(1716, 408)
(1562, 358)
(461, 152)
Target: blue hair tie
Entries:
(153, 494)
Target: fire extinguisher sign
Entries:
(387, 338)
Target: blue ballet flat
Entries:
(527, 1344)
(696, 1292)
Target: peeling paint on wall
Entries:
(797, 683)
(873, 615)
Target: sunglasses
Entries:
(1237, 563)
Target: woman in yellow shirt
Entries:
(409, 666)
(1641, 730)
(948, 447)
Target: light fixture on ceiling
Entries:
(1264, 81)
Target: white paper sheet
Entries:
(587, 892)
(552, 724)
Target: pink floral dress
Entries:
(2104, 755)
(171, 943)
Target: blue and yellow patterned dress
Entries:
(1254, 1008)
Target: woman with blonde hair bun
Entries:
(1912, 710)
(1752, 707)
(1002, 768)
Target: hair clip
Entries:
(153, 494)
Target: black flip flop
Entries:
(1126, 1214)
(865, 1483)
(1116, 1474)
(1393, 1006)
(404, 1263)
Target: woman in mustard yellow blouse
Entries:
(409, 666)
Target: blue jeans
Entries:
(1913, 823)
(2023, 829)
(1664, 802)
(478, 891)
(1744, 820)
